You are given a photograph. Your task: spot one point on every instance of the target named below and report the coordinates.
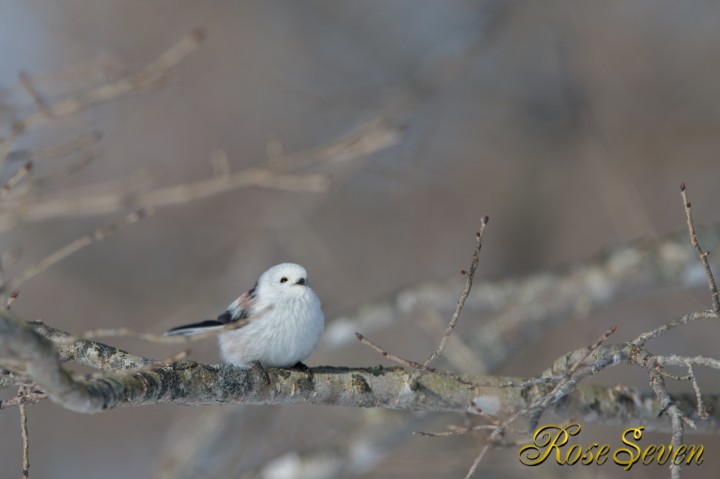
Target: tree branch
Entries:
(189, 383)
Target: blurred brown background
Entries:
(570, 123)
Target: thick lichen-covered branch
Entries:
(189, 383)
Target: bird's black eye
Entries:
(283, 279)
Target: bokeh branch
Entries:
(373, 136)
(516, 311)
(154, 75)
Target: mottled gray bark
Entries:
(189, 383)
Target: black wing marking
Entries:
(240, 312)
(225, 318)
(200, 325)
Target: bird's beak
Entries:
(301, 282)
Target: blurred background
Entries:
(570, 123)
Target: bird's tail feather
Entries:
(207, 326)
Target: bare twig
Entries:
(69, 169)
(16, 177)
(82, 203)
(32, 397)
(154, 75)
(458, 354)
(675, 360)
(470, 275)
(532, 382)
(385, 353)
(571, 378)
(517, 311)
(99, 234)
(477, 461)
(455, 430)
(77, 76)
(24, 432)
(701, 410)
(58, 150)
(11, 299)
(677, 416)
(647, 336)
(370, 137)
(569, 382)
(453, 321)
(591, 349)
(701, 253)
(27, 84)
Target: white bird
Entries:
(277, 323)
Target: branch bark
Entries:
(191, 384)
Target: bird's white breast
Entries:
(281, 335)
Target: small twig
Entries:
(461, 356)
(83, 202)
(67, 170)
(682, 320)
(703, 254)
(99, 234)
(27, 84)
(676, 360)
(58, 150)
(477, 461)
(675, 376)
(33, 397)
(78, 76)
(531, 382)
(591, 349)
(566, 385)
(457, 431)
(11, 299)
(24, 432)
(405, 362)
(666, 404)
(701, 410)
(677, 416)
(16, 177)
(463, 297)
(152, 76)
(375, 135)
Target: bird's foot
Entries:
(301, 366)
(259, 369)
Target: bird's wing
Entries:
(235, 316)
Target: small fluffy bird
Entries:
(277, 323)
